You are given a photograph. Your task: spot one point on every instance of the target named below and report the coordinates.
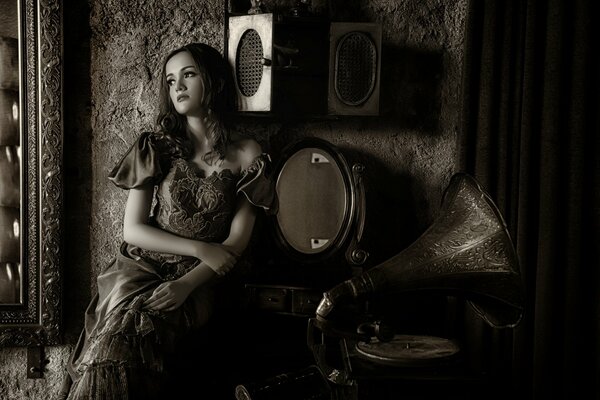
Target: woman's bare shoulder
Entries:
(245, 150)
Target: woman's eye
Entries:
(188, 74)
(170, 82)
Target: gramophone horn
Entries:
(466, 251)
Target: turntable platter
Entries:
(409, 350)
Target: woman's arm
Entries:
(237, 241)
(170, 295)
(243, 220)
(241, 227)
(138, 232)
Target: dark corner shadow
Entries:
(392, 198)
(77, 168)
(411, 88)
(392, 225)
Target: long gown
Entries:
(122, 349)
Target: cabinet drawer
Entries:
(268, 298)
(283, 299)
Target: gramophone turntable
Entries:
(408, 350)
(467, 253)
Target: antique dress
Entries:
(121, 351)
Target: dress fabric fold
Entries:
(122, 348)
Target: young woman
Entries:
(206, 188)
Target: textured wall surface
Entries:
(110, 90)
(128, 44)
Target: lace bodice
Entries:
(188, 203)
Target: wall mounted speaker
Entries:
(354, 68)
(250, 49)
(279, 63)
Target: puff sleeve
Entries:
(257, 184)
(140, 165)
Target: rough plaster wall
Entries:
(409, 151)
(129, 41)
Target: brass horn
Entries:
(466, 251)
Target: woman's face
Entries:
(186, 87)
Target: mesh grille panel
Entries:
(355, 68)
(249, 67)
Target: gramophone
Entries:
(467, 252)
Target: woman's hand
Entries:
(218, 257)
(168, 296)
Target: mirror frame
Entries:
(37, 321)
(351, 229)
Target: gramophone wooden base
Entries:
(409, 350)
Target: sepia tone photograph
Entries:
(299, 200)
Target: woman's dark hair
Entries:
(218, 100)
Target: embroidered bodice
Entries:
(188, 203)
(194, 206)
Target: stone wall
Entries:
(113, 50)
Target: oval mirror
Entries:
(313, 200)
(317, 200)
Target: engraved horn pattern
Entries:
(467, 250)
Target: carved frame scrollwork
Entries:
(38, 320)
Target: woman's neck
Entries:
(197, 131)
